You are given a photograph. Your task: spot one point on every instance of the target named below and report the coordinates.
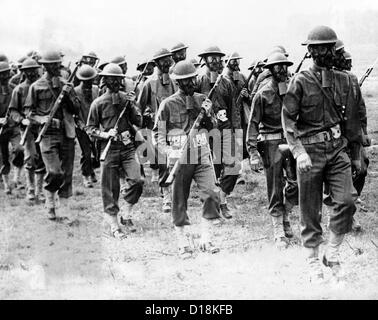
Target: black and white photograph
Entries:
(191, 150)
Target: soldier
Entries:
(86, 93)
(90, 59)
(146, 69)
(9, 132)
(35, 168)
(175, 118)
(18, 77)
(158, 87)
(228, 119)
(265, 136)
(178, 52)
(312, 120)
(243, 102)
(256, 72)
(357, 110)
(58, 144)
(103, 115)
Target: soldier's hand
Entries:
(304, 163)
(67, 88)
(131, 96)
(112, 133)
(25, 122)
(244, 93)
(206, 105)
(356, 166)
(366, 141)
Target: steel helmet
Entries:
(321, 35)
(91, 55)
(277, 58)
(162, 53)
(3, 57)
(112, 70)
(259, 64)
(118, 60)
(141, 66)
(213, 50)
(29, 63)
(86, 72)
(339, 45)
(234, 56)
(279, 48)
(184, 69)
(4, 66)
(50, 57)
(178, 47)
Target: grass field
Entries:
(71, 259)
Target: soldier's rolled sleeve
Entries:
(290, 111)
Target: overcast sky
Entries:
(139, 28)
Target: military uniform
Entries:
(178, 115)
(10, 134)
(122, 151)
(312, 124)
(86, 97)
(58, 144)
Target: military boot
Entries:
(7, 187)
(87, 182)
(50, 205)
(286, 222)
(331, 256)
(315, 268)
(17, 178)
(279, 236)
(39, 188)
(206, 244)
(225, 211)
(125, 217)
(30, 185)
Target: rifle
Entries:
(55, 107)
(193, 129)
(306, 56)
(367, 73)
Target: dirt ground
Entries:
(71, 259)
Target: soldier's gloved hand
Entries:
(244, 93)
(254, 161)
(131, 96)
(67, 88)
(112, 133)
(356, 166)
(25, 122)
(366, 141)
(304, 163)
(206, 105)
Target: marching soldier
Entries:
(103, 116)
(257, 71)
(228, 119)
(58, 144)
(175, 118)
(35, 168)
(86, 93)
(178, 52)
(90, 59)
(265, 136)
(145, 73)
(9, 132)
(18, 77)
(317, 135)
(158, 87)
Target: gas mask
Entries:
(214, 63)
(113, 83)
(89, 61)
(179, 55)
(31, 74)
(233, 65)
(53, 69)
(149, 70)
(340, 63)
(279, 73)
(348, 65)
(188, 85)
(164, 64)
(4, 77)
(323, 55)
